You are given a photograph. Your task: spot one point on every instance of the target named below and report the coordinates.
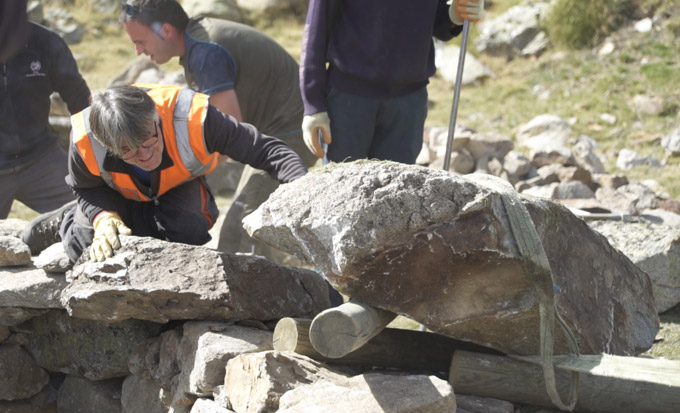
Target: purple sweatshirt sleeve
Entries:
(313, 57)
(444, 29)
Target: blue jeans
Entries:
(384, 129)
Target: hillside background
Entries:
(572, 79)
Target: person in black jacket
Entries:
(32, 165)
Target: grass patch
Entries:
(576, 24)
(660, 74)
(287, 31)
(657, 49)
(669, 333)
(404, 323)
(21, 211)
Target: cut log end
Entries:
(286, 333)
(338, 331)
(335, 334)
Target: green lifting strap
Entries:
(538, 270)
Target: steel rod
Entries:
(456, 94)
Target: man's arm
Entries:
(244, 143)
(227, 102)
(216, 78)
(213, 70)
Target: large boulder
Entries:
(439, 249)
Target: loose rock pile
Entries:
(639, 218)
(113, 336)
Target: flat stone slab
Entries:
(155, 280)
(30, 287)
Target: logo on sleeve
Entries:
(35, 69)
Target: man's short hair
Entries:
(154, 12)
(121, 112)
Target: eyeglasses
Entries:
(130, 10)
(127, 154)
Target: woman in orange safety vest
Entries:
(136, 164)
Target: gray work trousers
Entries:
(39, 185)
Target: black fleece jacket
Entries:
(27, 80)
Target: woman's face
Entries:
(148, 156)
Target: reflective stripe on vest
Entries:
(183, 113)
(185, 110)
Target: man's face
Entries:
(148, 157)
(153, 43)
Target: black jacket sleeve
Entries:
(66, 79)
(244, 143)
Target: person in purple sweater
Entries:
(364, 72)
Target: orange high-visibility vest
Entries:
(182, 112)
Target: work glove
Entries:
(311, 126)
(107, 225)
(470, 10)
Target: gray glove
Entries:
(311, 126)
(470, 10)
